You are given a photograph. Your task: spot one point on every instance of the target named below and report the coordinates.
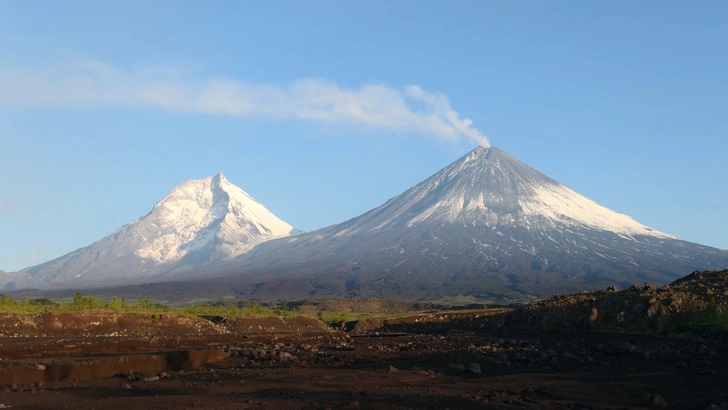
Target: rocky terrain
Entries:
(701, 296)
(131, 325)
(595, 350)
(463, 369)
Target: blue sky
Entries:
(324, 110)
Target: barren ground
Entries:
(409, 363)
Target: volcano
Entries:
(199, 223)
(487, 226)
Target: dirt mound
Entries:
(641, 310)
(429, 323)
(269, 324)
(303, 324)
(99, 368)
(110, 324)
(103, 324)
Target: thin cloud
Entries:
(405, 110)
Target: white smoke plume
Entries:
(92, 83)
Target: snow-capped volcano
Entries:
(487, 224)
(199, 222)
(487, 188)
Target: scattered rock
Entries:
(457, 367)
(593, 315)
(40, 367)
(126, 386)
(701, 331)
(392, 370)
(474, 368)
(639, 310)
(151, 379)
(656, 400)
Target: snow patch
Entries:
(561, 204)
(208, 213)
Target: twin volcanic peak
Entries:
(486, 226)
(200, 222)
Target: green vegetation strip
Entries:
(714, 318)
(80, 303)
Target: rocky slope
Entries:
(677, 307)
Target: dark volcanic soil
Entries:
(422, 366)
(639, 309)
(552, 354)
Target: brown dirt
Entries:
(519, 370)
(497, 359)
(107, 324)
(302, 324)
(430, 323)
(268, 325)
(101, 368)
(104, 324)
(411, 369)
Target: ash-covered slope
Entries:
(485, 226)
(199, 222)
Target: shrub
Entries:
(143, 303)
(80, 303)
(118, 304)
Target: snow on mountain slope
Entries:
(559, 203)
(486, 223)
(489, 187)
(204, 213)
(488, 181)
(199, 222)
